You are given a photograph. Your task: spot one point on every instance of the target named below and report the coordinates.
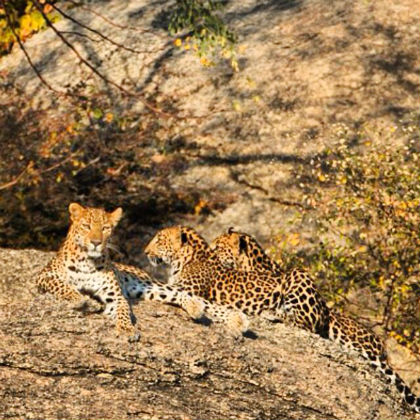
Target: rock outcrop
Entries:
(58, 363)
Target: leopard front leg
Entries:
(116, 305)
(235, 321)
(159, 292)
(49, 281)
(125, 320)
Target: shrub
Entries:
(202, 30)
(366, 195)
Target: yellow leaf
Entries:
(25, 26)
(234, 64)
(251, 83)
(236, 105)
(178, 42)
(241, 49)
(206, 62)
(343, 180)
(294, 239)
(200, 206)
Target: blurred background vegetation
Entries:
(364, 195)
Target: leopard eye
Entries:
(106, 228)
(85, 225)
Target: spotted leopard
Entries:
(196, 268)
(242, 251)
(302, 305)
(83, 267)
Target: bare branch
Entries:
(81, 35)
(17, 179)
(235, 177)
(95, 70)
(104, 18)
(56, 165)
(96, 32)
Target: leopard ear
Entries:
(184, 238)
(242, 244)
(75, 211)
(230, 230)
(116, 215)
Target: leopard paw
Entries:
(73, 296)
(237, 323)
(195, 308)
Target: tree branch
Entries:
(95, 70)
(17, 179)
(101, 35)
(107, 20)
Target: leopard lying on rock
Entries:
(194, 267)
(241, 251)
(83, 267)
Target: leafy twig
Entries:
(28, 58)
(30, 166)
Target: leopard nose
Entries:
(96, 242)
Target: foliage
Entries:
(20, 18)
(200, 29)
(367, 210)
(95, 154)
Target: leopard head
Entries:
(238, 250)
(91, 228)
(174, 244)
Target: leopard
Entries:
(302, 305)
(242, 251)
(82, 269)
(195, 267)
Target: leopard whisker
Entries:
(115, 249)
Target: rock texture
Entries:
(58, 363)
